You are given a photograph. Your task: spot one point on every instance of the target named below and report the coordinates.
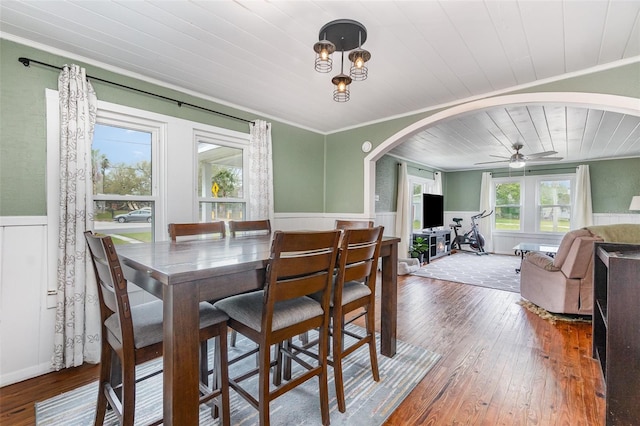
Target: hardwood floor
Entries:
(500, 365)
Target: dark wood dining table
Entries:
(184, 273)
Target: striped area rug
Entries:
(368, 402)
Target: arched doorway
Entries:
(614, 103)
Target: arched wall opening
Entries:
(613, 103)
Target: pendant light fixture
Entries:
(342, 35)
(342, 82)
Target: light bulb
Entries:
(359, 63)
(324, 54)
(341, 87)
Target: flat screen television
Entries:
(432, 211)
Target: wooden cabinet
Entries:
(439, 243)
(616, 328)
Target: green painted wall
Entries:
(613, 183)
(297, 170)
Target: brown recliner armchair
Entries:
(563, 284)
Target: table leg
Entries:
(389, 302)
(181, 351)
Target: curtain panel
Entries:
(77, 323)
(261, 172)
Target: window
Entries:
(149, 169)
(554, 205)
(533, 203)
(418, 187)
(508, 202)
(221, 177)
(124, 179)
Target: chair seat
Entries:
(247, 309)
(147, 322)
(353, 290)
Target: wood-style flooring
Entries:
(500, 365)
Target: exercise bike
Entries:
(472, 237)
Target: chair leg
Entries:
(221, 377)
(128, 391)
(322, 377)
(234, 336)
(105, 374)
(204, 363)
(263, 384)
(373, 356)
(337, 347)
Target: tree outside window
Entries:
(508, 206)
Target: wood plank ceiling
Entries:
(425, 54)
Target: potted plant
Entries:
(419, 247)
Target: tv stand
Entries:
(439, 242)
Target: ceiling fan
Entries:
(518, 160)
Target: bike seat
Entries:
(457, 220)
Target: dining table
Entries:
(184, 273)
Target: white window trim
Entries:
(529, 216)
(228, 138)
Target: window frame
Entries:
(572, 197)
(521, 206)
(228, 138)
(416, 208)
(109, 115)
(529, 195)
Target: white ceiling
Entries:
(258, 55)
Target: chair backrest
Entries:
(112, 286)
(190, 229)
(358, 259)
(249, 227)
(300, 264)
(350, 224)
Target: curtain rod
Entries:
(539, 170)
(26, 62)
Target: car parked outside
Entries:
(142, 215)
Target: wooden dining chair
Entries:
(349, 224)
(300, 264)
(353, 292)
(134, 335)
(215, 229)
(249, 227)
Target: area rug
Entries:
(491, 270)
(550, 316)
(368, 402)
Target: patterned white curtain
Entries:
(403, 212)
(261, 172)
(485, 204)
(77, 325)
(583, 215)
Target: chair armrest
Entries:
(541, 260)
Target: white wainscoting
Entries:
(26, 325)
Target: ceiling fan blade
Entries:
(500, 156)
(493, 162)
(540, 154)
(541, 160)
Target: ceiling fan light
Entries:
(324, 49)
(517, 164)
